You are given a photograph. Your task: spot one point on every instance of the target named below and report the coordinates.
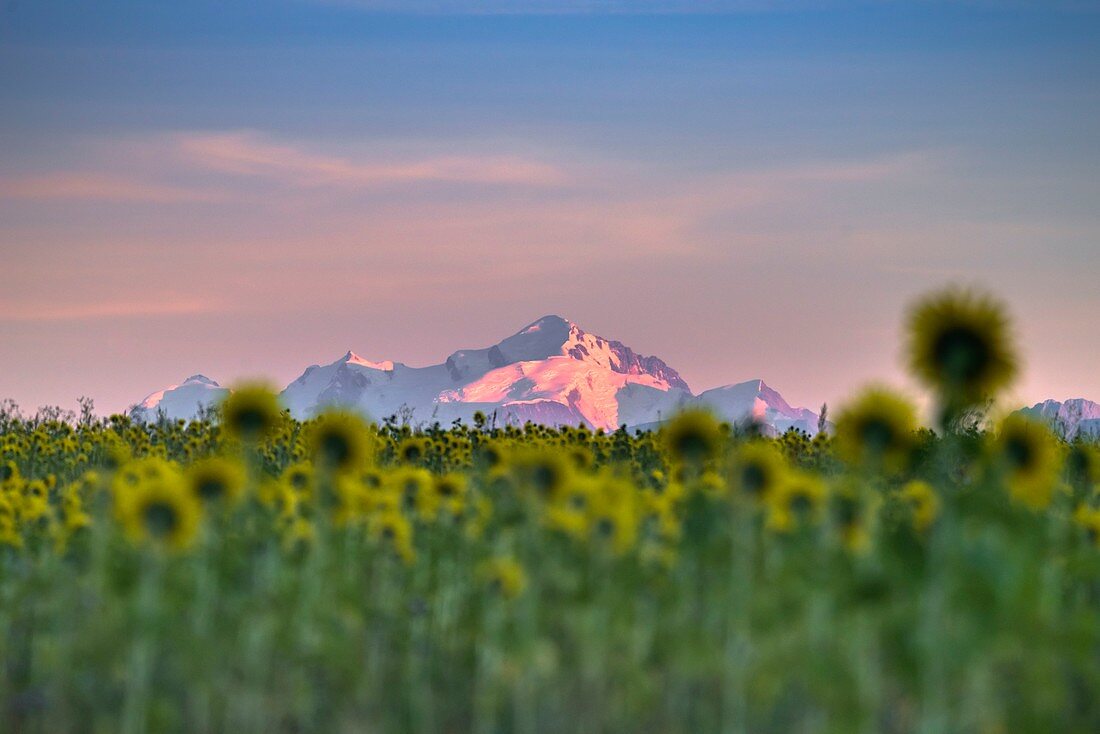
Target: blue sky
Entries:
(758, 191)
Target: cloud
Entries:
(248, 154)
(94, 186)
(24, 312)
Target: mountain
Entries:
(180, 401)
(1070, 418)
(755, 401)
(550, 372)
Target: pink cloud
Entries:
(247, 154)
(25, 312)
(94, 187)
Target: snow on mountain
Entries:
(550, 372)
(755, 402)
(1069, 418)
(180, 401)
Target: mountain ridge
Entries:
(551, 371)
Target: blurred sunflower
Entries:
(853, 511)
(758, 470)
(539, 471)
(339, 441)
(504, 576)
(1083, 466)
(216, 480)
(613, 514)
(251, 413)
(1088, 519)
(693, 437)
(923, 503)
(877, 430)
(450, 491)
(960, 345)
(299, 478)
(393, 528)
(161, 511)
(1029, 458)
(412, 450)
(798, 501)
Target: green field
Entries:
(250, 573)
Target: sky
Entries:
(745, 188)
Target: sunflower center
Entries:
(1020, 452)
(962, 354)
(1077, 463)
(251, 421)
(545, 478)
(692, 446)
(336, 449)
(847, 512)
(211, 488)
(754, 479)
(801, 505)
(877, 435)
(605, 527)
(161, 519)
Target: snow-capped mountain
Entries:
(1069, 418)
(180, 401)
(756, 402)
(550, 372)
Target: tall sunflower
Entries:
(1029, 459)
(251, 413)
(339, 441)
(693, 437)
(758, 470)
(216, 480)
(160, 511)
(960, 345)
(877, 429)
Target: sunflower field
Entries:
(251, 573)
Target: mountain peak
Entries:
(200, 380)
(353, 358)
(550, 321)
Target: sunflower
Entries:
(412, 450)
(9, 473)
(412, 489)
(758, 469)
(394, 529)
(1083, 466)
(299, 478)
(1088, 518)
(1028, 456)
(216, 480)
(798, 500)
(923, 503)
(694, 437)
(504, 576)
(251, 413)
(450, 491)
(541, 472)
(960, 345)
(877, 429)
(612, 514)
(161, 511)
(853, 511)
(339, 441)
